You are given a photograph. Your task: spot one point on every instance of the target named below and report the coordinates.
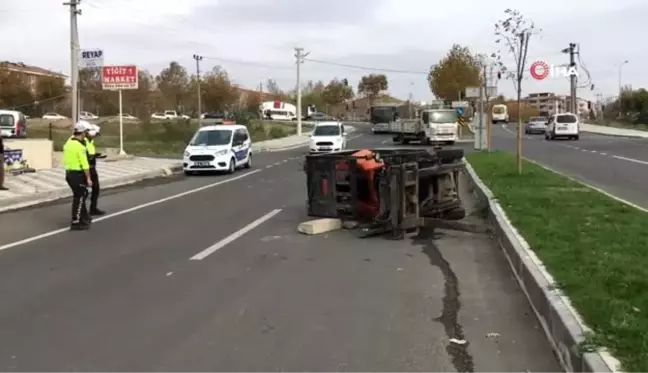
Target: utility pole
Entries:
(572, 79)
(198, 58)
(74, 57)
(299, 60)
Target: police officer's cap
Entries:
(82, 126)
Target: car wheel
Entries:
(248, 164)
(232, 166)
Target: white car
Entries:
(13, 124)
(218, 148)
(85, 115)
(54, 116)
(563, 125)
(328, 137)
(126, 116)
(158, 116)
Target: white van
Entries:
(328, 137)
(563, 125)
(499, 114)
(12, 124)
(218, 148)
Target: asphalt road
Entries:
(127, 296)
(618, 165)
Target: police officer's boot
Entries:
(97, 212)
(79, 226)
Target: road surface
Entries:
(617, 165)
(208, 274)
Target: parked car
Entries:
(12, 124)
(158, 116)
(54, 116)
(212, 116)
(85, 115)
(126, 116)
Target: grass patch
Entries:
(152, 138)
(594, 246)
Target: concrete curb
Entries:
(39, 198)
(613, 135)
(561, 323)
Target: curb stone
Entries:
(561, 323)
(20, 202)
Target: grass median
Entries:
(152, 138)
(593, 245)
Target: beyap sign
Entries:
(91, 58)
(541, 70)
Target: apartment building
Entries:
(552, 103)
(31, 74)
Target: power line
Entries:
(366, 68)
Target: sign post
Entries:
(118, 78)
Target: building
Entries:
(552, 103)
(31, 74)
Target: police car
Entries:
(218, 148)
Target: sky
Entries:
(254, 39)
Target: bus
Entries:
(499, 114)
(381, 115)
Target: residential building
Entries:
(552, 103)
(31, 74)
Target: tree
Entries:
(173, 83)
(514, 32)
(140, 102)
(336, 93)
(458, 70)
(272, 88)
(218, 92)
(371, 86)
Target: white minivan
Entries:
(218, 148)
(563, 125)
(328, 137)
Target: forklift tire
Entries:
(450, 155)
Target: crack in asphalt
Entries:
(461, 358)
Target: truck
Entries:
(437, 125)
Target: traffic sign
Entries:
(456, 104)
(472, 92)
(460, 111)
(91, 58)
(117, 78)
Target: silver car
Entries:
(536, 125)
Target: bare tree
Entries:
(514, 32)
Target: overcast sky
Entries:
(253, 39)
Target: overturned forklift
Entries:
(385, 190)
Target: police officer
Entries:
(77, 175)
(91, 134)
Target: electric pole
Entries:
(74, 57)
(299, 59)
(198, 58)
(572, 79)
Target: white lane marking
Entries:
(234, 236)
(129, 210)
(629, 159)
(269, 166)
(593, 151)
(603, 153)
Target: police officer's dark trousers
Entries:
(94, 197)
(77, 182)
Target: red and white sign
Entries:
(116, 78)
(539, 70)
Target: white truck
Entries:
(429, 126)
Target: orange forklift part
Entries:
(368, 165)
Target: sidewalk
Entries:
(47, 185)
(613, 131)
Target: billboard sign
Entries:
(91, 58)
(117, 78)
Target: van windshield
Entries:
(499, 110)
(568, 118)
(326, 131)
(212, 137)
(7, 120)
